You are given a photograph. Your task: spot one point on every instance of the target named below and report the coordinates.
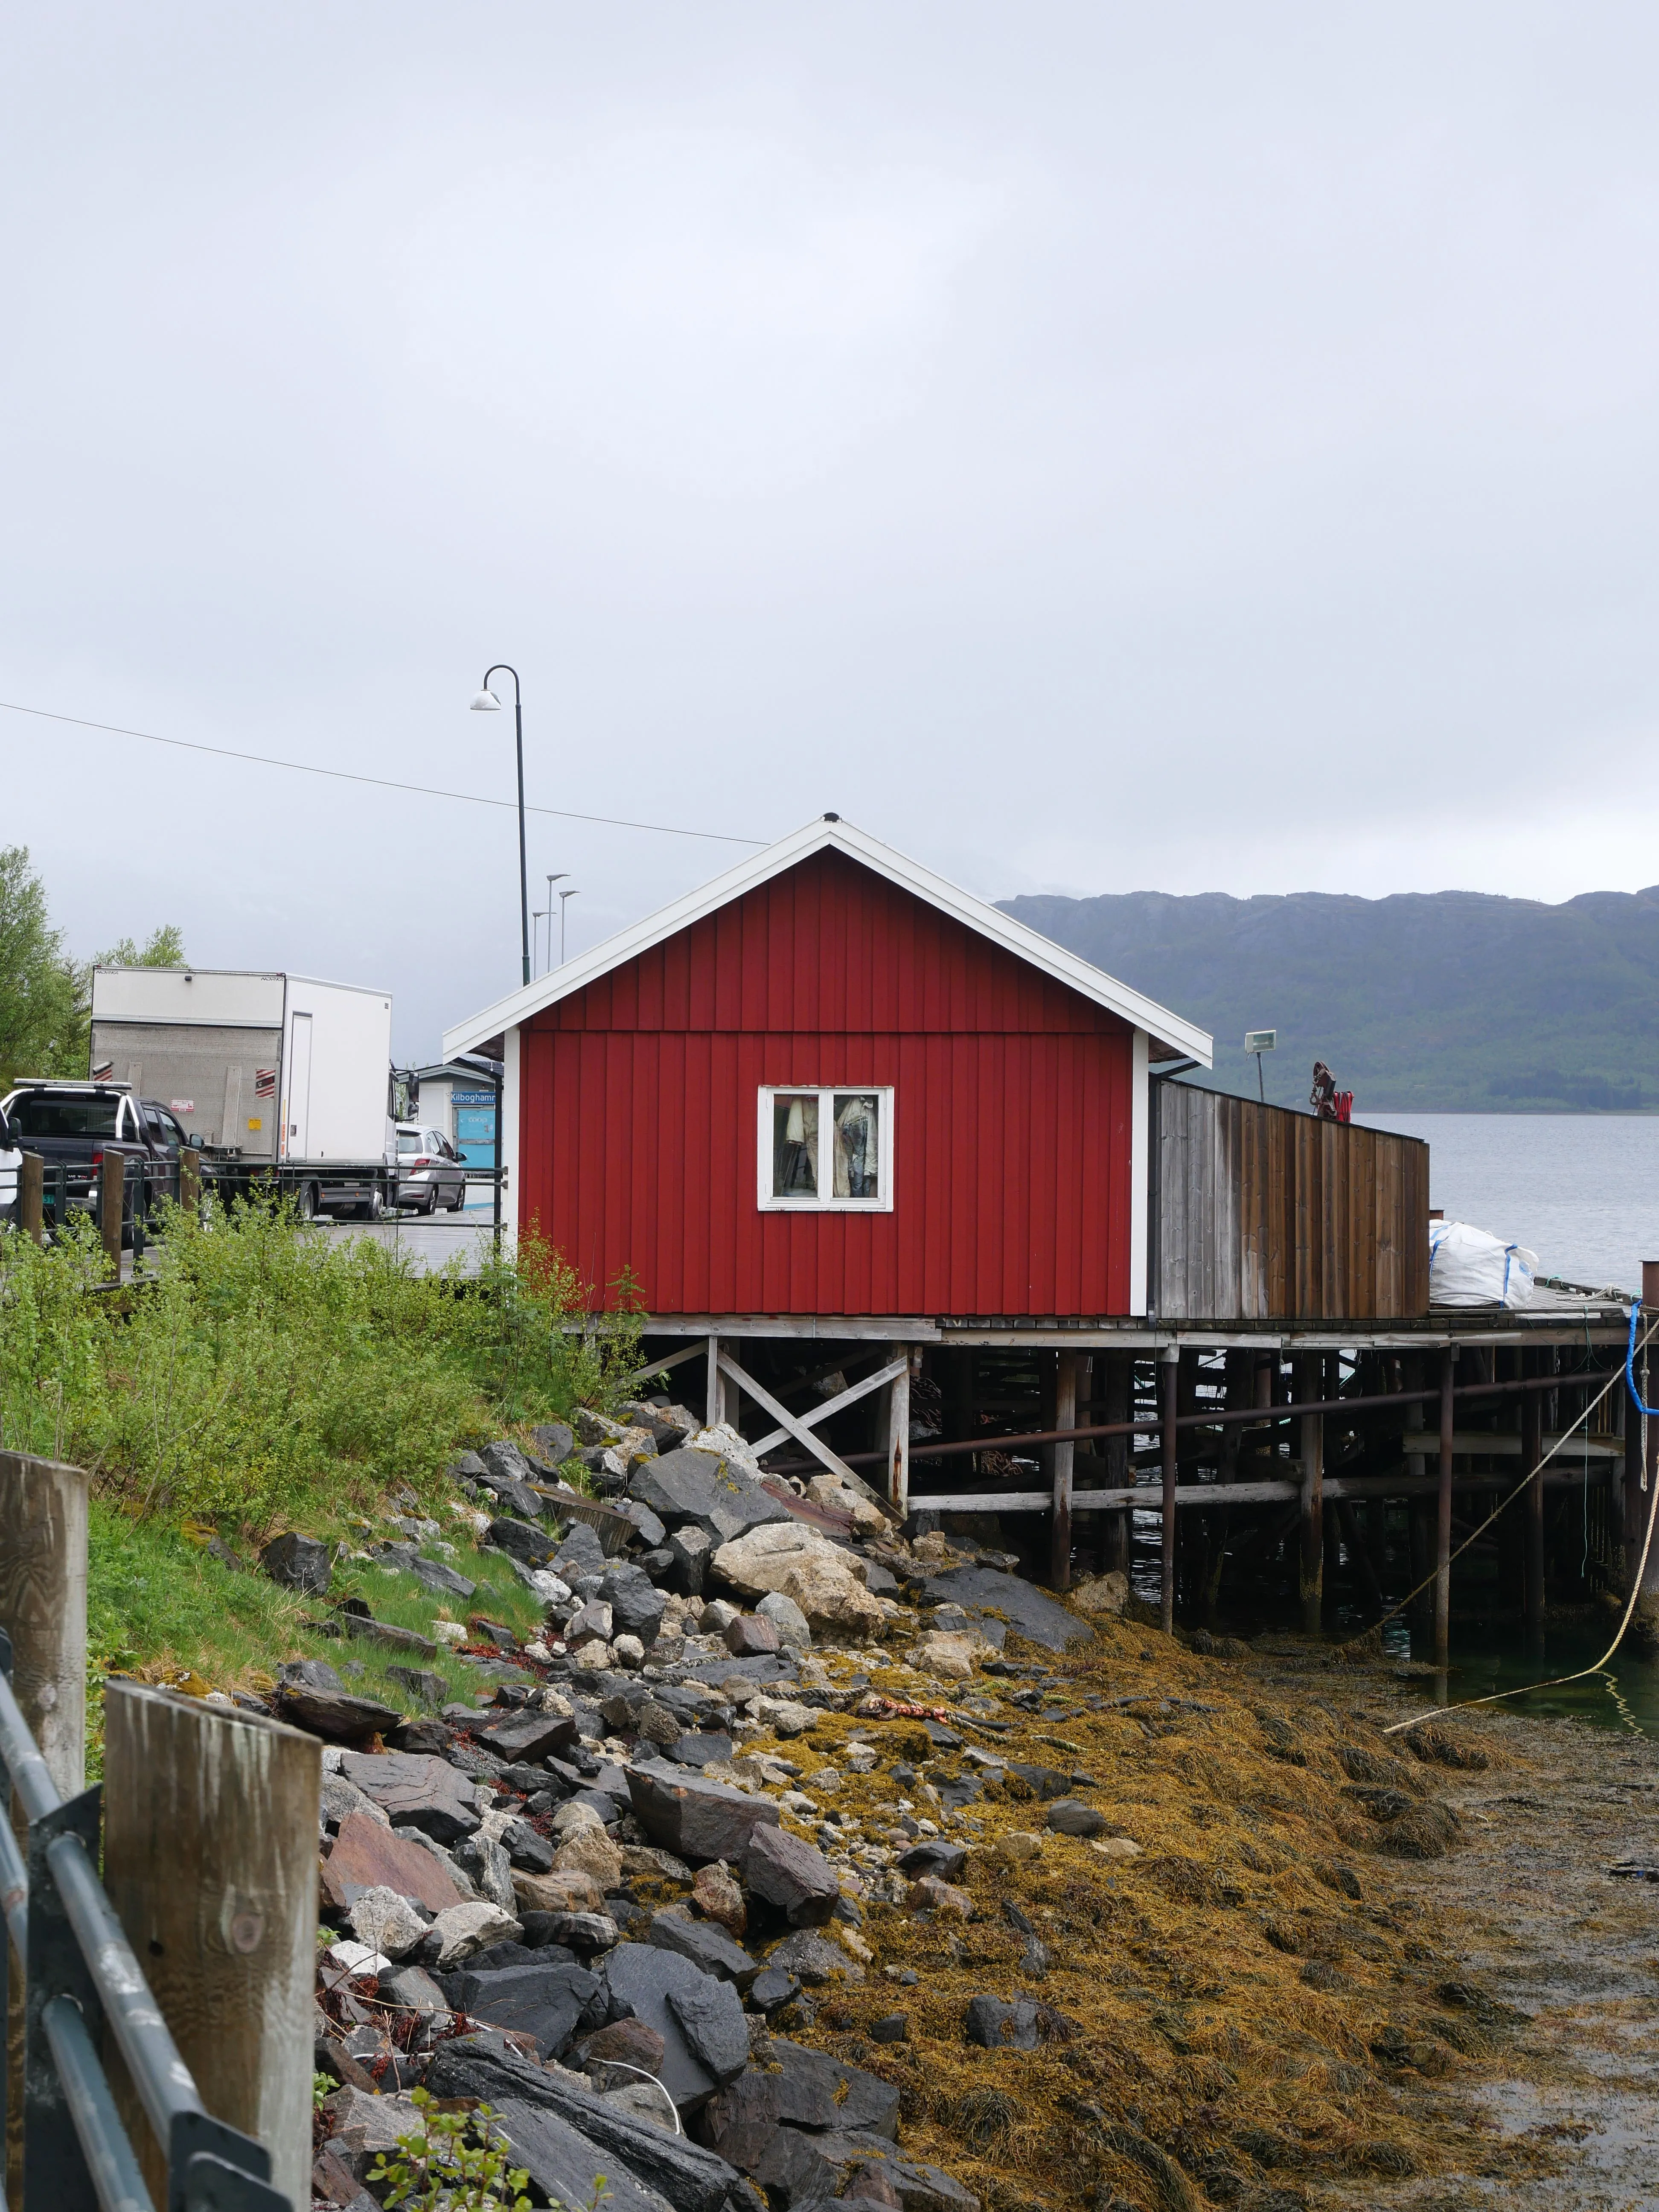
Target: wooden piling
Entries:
(1117, 1370)
(32, 1197)
(112, 1204)
(1442, 1531)
(1646, 1368)
(190, 1178)
(43, 1608)
(1308, 1384)
(1060, 1526)
(210, 1861)
(898, 1441)
(1532, 1506)
(715, 1393)
(1170, 1371)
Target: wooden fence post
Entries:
(32, 1197)
(1532, 1451)
(111, 1195)
(43, 1608)
(714, 1396)
(189, 1178)
(210, 1861)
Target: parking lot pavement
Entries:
(432, 1243)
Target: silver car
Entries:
(430, 1172)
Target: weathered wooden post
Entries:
(1118, 1368)
(1443, 1529)
(43, 1608)
(898, 1438)
(32, 1197)
(1646, 1367)
(1532, 1451)
(1170, 1438)
(210, 1861)
(1309, 1386)
(111, 1196)
(190, 1178)
(1065, 1462)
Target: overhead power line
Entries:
(380, 782)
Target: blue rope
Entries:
(1652, 1411)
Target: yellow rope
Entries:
(1555, 1681)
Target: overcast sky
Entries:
(1094, 447)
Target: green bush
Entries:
(268, 1374)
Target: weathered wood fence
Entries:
(159, 2038)
(1263, 1214)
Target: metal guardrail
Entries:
(82, 1977)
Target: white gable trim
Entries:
(829, 834)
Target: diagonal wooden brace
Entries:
(801, 1433)
(843, 1398)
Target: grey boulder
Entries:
(298, 1563)
(701, 1487)
(692, 2178)
(706, 1945)
(416, 1792)
(551, 2001)
(565, 2167)
(696, 1819)
(700, 2020)
(994, 2024)
(792, 1874)
(636, 1604)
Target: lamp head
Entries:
(486, 704)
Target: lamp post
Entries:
(488, 703)
(561, 876)
(564, 895)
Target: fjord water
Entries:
(1581, 1190)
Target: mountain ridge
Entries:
(1448, 1001)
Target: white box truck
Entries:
(278, 1078)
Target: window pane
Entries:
(795, 1146)
(857, 1145)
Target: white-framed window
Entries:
(826, 1148)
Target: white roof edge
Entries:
(986, 920)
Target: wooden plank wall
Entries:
(1264, 1214)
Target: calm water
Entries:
(1581, 1190)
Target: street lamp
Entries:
(488, 703)
(563, 876)
(564, 895)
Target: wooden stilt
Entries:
(1169, 1369)
(1443, 1533)
(1059, 1548)
(898, 1440)
(1532, 1507)
(1118, 1369)
(715, 1393)
(1308, 1384)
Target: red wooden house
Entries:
(831, 1085)
(831, 1095)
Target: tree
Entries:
(39, 1001)
(45, 997)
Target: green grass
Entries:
(269, 1378)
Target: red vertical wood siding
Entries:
(1012, 1107)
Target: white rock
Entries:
(332, 1755)
(358, 1958)
(387, 1922)
(537, 1651)
(594, 1656)
(463, 1928)
(451, 1633)
(628, 1651)
(953, 1657)
(572, 1815)
(724, 1440)
(548, 1586)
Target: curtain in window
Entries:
(795, 1147)
(856, 1139)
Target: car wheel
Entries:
(310, 1202)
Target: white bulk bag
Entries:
(1467, 1268)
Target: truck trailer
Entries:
(279, 1079)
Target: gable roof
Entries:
(830, 834)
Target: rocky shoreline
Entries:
(798, 1862)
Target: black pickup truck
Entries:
(73, 1125)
